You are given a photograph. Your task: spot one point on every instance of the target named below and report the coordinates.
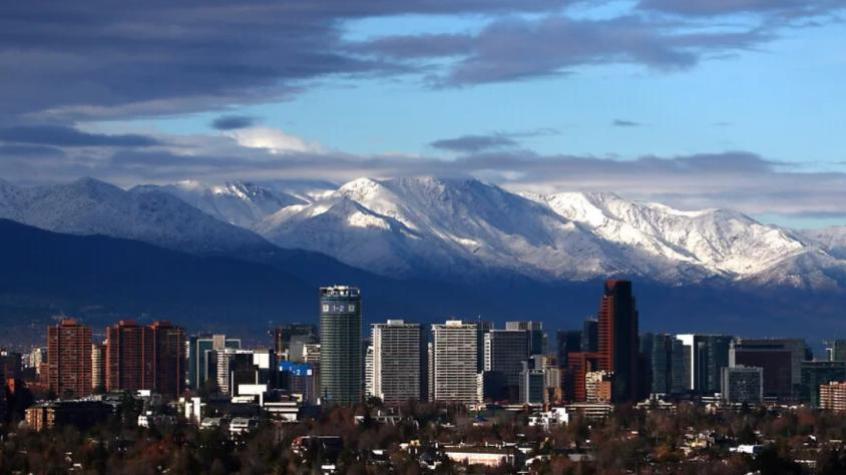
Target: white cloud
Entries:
(273, 140)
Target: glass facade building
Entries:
(341, 365)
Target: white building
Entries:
(398, 368)
(455, 362)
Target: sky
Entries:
(697, 104)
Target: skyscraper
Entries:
(341, 377)
(836, 350)
(618, 339)
(455, 355)
(505, 352)
(704, 357)
(168, 358)
(69, 359)
(399, 357)
(129, 357)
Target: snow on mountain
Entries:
(88, 206)
(240, 203)
(724, 242)
(831, 239)
(455, 227)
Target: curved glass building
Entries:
(340, 345)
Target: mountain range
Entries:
(429, 247)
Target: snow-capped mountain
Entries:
(447, 228)
(457, 227)
(723, 241)
(831, 239)
(240, 203)
(88, 206)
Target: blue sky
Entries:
(750, 88)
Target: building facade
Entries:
(129, 357)
(399, 362)
(69, 359)
(455, 362)
(833, 396)
(505, 352)
(816, 374)
(742, 384)
(618, 339)
(341, 365)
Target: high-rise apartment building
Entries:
(505, 352)
(341, 378)
(455, 362)
(129, 357)
(69, 359)
(369, 390)
(168, 358)
(399, 362)
(618, 339)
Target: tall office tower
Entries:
(741, 384)
(816, 374)
(833, 396)
(455, 355)
(399, 357)
(781, 360)
(618, 339)
(98, 366)
(836, 350)
(69, 359)
(199, 365)
(679, 376)
(537, 338)
(590, 335)
(168, 358)
(369, 390)
(705, 356)
(569, 341)
(129, 357)
(532, 385)
(341, 365)
(505, 352)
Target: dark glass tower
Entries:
(341, 376)
(618, 339)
